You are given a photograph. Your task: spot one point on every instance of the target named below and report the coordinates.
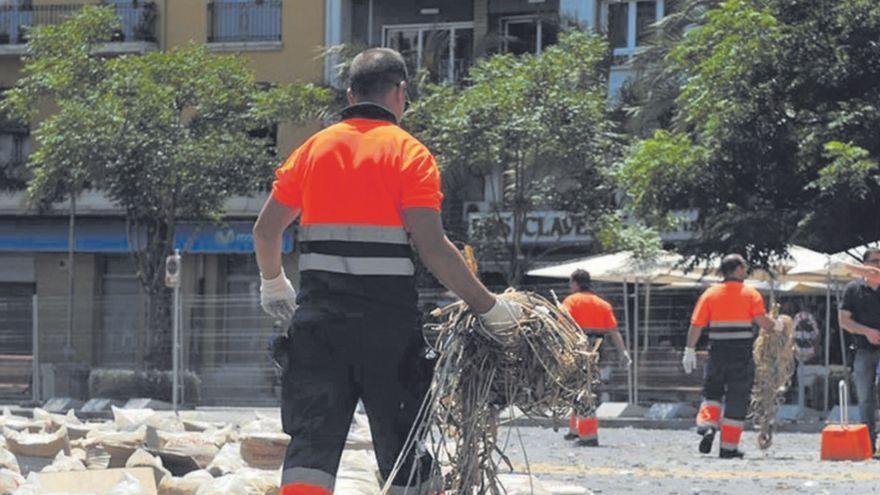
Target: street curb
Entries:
(544, 422)
(653, 424)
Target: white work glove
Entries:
(778, 325)
(277, 297)
(689, 361)
(502, 315)
(625, 359)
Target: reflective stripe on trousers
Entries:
(731, 431)
(709, 414)
(306, 481)
(588, 428)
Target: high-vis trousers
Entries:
(727, 387)
(585, 427)
(335, 359)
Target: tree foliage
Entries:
(772, 131)
(166, 135)
(539, 120)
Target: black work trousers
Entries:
(729, 377)
(337, 357)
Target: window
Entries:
(628, 23)
(244, 21)
(528, 34)
(444, 50)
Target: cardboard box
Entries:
(97, 482)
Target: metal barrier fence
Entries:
(244, 21)
(224, 341)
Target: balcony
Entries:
(248, 25)
(137, 20)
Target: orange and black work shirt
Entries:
(352, 182)
(727, 310)
(592, 313)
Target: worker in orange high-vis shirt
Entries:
(596, 318)
(364, 191)
(728, 310)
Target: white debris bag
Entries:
(10, 481)
(129, 485)
(19, 423)
(55, 421)
(130, 419)
(142, 458)
(262, 424)
(8, 460)
(227, 461)
(64, 463)
(195, 445)
(245, 482)
(133, 439)
(187, 485)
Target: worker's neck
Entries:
(872, 285)
(733, 279)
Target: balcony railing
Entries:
(137, 20)
(244, 21)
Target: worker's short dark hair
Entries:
(868, 252)
(730, 263)
(582, 279)
(375, 71)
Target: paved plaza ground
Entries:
(645, 461)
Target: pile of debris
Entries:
(142, 451)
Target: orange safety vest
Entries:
(352, 182)
(592, 313)
(727, 310)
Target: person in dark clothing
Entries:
(859, 314)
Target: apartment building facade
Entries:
(281, 39)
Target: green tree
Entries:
(542, 121)
(166, 135)
(772, 136)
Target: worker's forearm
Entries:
(694, 336)
(268, 253)
(765, 322)
(448, 265)
(852, 326)
(618, 341)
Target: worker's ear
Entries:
(350, 96)
(401, 88)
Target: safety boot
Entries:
(707, 440)
(570, 436)
(588, 442)
(730, 454)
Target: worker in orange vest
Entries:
(362, 189)
(596, 318)
(729, 310)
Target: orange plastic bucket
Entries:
(845, 442)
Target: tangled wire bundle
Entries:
(543, 366)
(774, 365)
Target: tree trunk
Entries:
(153, 241)
(518, 213)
